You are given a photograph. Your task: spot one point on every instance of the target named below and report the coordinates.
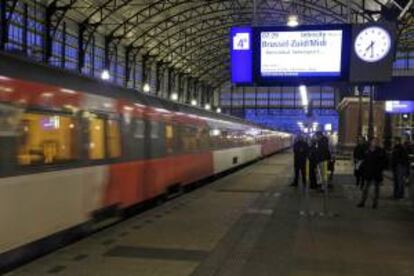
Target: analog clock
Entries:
(372, 44)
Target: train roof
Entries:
(21, 68)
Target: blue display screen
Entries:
(241, 50)
(306, 54)
(399, 106)
(299, 53)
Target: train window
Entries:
(189, 139)
(194, 139)
(139, 129)
(9, 119)
(155, 128)
(169, 132)
(169, 138)
(96, 139)
(204, 139)
(113, 139)
(47, 139)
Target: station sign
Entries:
(241, 55)
(312, 54)
(399, 106)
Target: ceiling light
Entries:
(174, 96)
(304, 95)
(207, 106)
(218, 110)
(146, 88)
(193, 102)
(293, 21)
(105, 75)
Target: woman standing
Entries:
(373, 166)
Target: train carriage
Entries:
(69, 156)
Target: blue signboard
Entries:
(304, 54)
(241, 55)
(399, 106)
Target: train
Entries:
(71, 158)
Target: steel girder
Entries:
(6, 6)
(154, 33)
(55, 14)
(178, 30)
(187, 15)
(325, 9)
(206, 30)
(201, 27)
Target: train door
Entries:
(9, 123)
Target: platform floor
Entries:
(248, 223)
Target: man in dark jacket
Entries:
(313, 163)
(373, 166)
(324, 152)
(300, 151)
(400, 164)
(359, 156)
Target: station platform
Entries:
(249, 223)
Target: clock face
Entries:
(372, 44)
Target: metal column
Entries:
(371, 113)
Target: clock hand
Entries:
(370, 46)
(372, 51)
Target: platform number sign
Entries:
(241, 41)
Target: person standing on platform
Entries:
(323, 155)
(373, 166)
(408, 147)
(323, 147)
(313, 163)
(400, 165)
(359, 156)
(300, 152)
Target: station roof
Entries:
(193, 35)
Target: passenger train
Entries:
(68, 157)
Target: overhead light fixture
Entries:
(215, 132)
(193, 102)
(304, 95)
(174, 96)
(328, 127)
(218, 110)
(105, 75)
(207, 106)
(146, 88)
(292, 21)
(376, 17)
